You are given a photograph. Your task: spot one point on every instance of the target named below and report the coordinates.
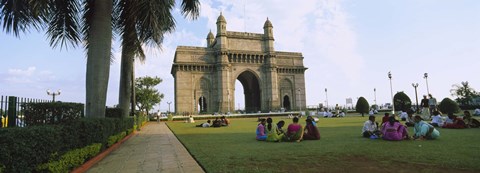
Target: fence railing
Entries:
(12, 110)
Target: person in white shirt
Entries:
(207, 124)
(403, 115)
(342, 114)
(437, 120)
(370, 127)
(476, 112)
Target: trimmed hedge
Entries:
(71, 159)
(52, 113)
(23, 149)
(113, 113)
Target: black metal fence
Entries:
(12, 110)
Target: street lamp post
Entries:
(425, 75)
(53, 94)
(391, 92)
(169, 106)
(375, 95)
(326, 98)
(415, 85)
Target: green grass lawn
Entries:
(340, 149)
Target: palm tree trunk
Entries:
(98, 58)
(126, 81)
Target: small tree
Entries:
(362, 106)
(464, 93)
(402, 101)
(448, 105)
(146, 95)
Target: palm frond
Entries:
(87, 18)
(64, 24)
(17, 16)
(190, 9)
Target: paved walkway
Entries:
(153, 149)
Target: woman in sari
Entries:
(423, 130)
(273, 134)
(311, 131)
(294, 131)
(394, 131)
(261, 136)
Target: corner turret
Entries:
(221, 25)
(268, 35)
(210, 39)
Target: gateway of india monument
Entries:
(205, 76)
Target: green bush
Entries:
(25, 148)
(52, 113)
(71, 159)
(448, 105)
(113, 113)
(115, 138)
(362, 106)
(402, 101)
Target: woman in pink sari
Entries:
(394, 131)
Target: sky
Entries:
(348, 47)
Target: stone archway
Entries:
(286, 103)
(267, 75)
(251, 91)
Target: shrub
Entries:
(362, 106)
(25, 148)
(52, 113)
(115, 138)
(448, 105)
(71, 159)
(402, 101)
(113, 113)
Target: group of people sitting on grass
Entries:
(270, 132)
(216, 123)
(391, 129)
(454, 122)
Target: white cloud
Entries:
(29, 75)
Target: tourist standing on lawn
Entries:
(261, 136)
(425, 107)
(272, 132)
(311, 131)
(423, 130)
(394, 131)
(294, 131)
(432, 103)
(370, 127)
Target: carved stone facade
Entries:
(205, 76)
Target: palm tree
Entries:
(63, 24)
(143, 22)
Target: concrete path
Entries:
(153, 149)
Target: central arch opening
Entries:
(251, 91)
